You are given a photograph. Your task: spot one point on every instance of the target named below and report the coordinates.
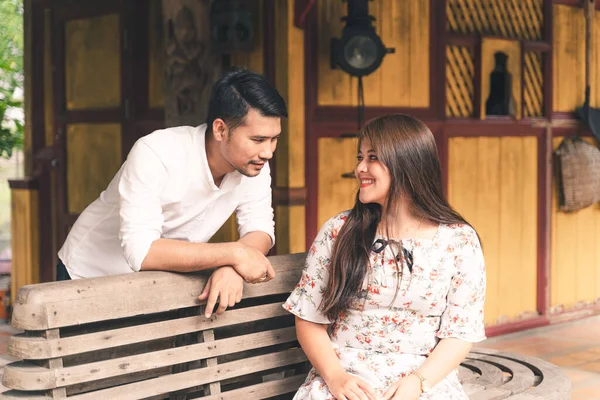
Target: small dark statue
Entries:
(498, 102)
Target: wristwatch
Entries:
(424, 384)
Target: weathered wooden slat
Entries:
(263, 390)
(17, 395)
(202, 376)
(58, 304)
(20, 376)
(35, 348)
(26, 376)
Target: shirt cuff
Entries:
(136, 249)
(266, 228)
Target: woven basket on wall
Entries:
(578, 171)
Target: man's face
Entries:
(249, 146)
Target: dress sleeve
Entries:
(463, 316)
(305, 299)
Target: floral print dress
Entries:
(382, 338)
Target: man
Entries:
(177, 188)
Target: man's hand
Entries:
(226, 285)
(252, 265)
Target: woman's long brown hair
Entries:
(407, 148)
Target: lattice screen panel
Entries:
(533, 94)
(459, 82)
(521, 19)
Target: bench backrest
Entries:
(144, 335)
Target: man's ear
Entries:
(219, 129)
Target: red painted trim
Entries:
(544, 207)
(311, 144)
(302, 9)
(547, 59)
(496, 127)
(59, 102)
(344, 115)
(477, 81)
(269, 65)
(459, 39)
(536, 45)
(510, 327)
(77, 10)
(289, 196)
(29, 183)
(573, 3)
(565, 115)
(437, 45)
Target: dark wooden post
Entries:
(191, 65)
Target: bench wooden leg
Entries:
(59, 393)
(211, 388)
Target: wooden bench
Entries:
(144, 336)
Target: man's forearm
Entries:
(257, 240)
(181, 256)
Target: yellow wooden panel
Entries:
(512, 49)
(227, 233)
(569, 59)
(492, 182)
(156, 56)
(289, 45)
(575, 276)
(334, 86)
(290, 229)
(403, 78)
(93, 158)
(336, 193)
(93, 62)
(25, 238)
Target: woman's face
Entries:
(373, 177)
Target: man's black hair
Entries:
(236, 92)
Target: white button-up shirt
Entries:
(164, 190)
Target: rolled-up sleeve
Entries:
(255, 213)
(143, 178)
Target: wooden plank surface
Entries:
(493, 183)
(58, 304)
(163, 384)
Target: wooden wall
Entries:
(25, 238)
(253, 60)
(569, 59)
(492, 182)
(575, 255)
(289, 158)
(403, 78)
(575, 273)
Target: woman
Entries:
(391, 298)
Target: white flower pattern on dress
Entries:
(381, 341)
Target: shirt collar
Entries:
(230, 180)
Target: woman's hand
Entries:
(407, 388)
(344, 386)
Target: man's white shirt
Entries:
(163, 190)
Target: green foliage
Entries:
(11, 76)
